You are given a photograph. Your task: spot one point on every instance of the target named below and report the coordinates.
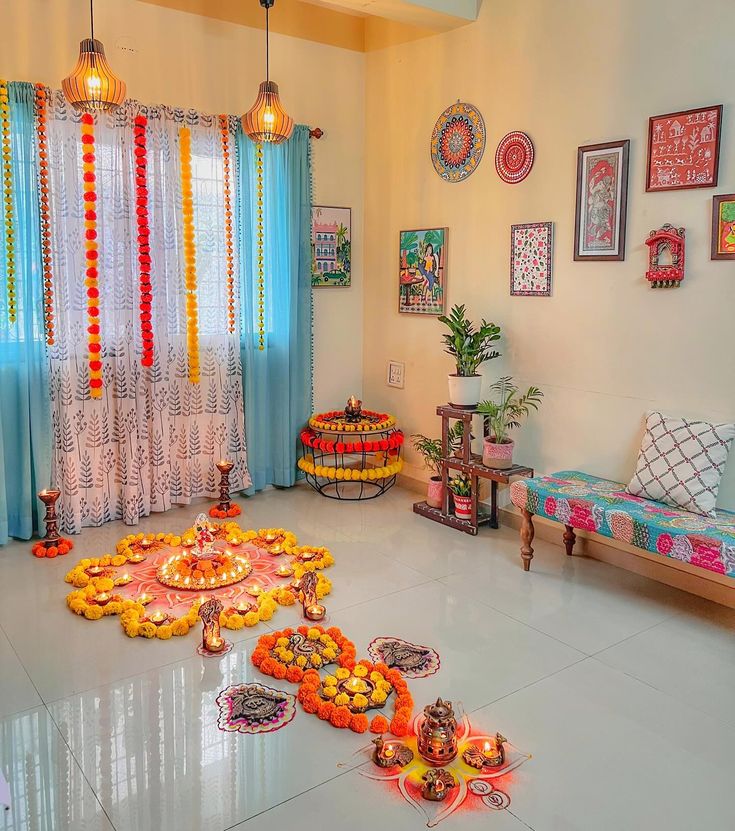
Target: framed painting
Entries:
(331, 246)
(602, 201)
(684, 149)
(531, 253)
(723, 227)
(422, 273)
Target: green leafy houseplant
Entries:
(470, 347)
(509, 407)
(430, 450)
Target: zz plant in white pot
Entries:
(470, 347)
(503, 414)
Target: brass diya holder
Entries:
(490, 756)
(353, 410)
(389, 754)
(312, 608)
(49, 497)
(437, 735)
(224, 467)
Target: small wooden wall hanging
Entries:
(665, 256)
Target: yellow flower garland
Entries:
(8, 199)
(190, 271)
(323, 558)
(348, 474)
(261, 269)
(347, 427)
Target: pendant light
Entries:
(93, 86)
(266, 120)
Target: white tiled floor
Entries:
(621, 688)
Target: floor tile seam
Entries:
(629, 638)
(25, 669)
(381, 596)
(78, 763)
(522, 822)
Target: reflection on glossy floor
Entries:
(621, 688)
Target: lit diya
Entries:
(357, 690)
(95, 571)
(253, 589)
(242, 607)
(158, 618)
(123, 579)
(102, 599)
(284, 570)
(387, 754)
(185, 570)
(315, 611)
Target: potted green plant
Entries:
(461, 489)
(431, 451)
(470, 348)
(503, 414)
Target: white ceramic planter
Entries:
(463, 507)
(464, 390)
(497, 456)
(435, 492)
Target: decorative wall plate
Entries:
(458, 142)
(514, 157)
(254, 708)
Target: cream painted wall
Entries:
(181, 59)
(605, 347)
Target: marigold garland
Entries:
(233, 511)
(321, 696)
(272, 655)
(190, 270)
(144, 248)
(348, 473)
(91, 281)
(261, 267)
(8, 199)
(393, 442)
(43, 187)
(334, 422)
(317, 559)
(63, 546)
(229, 250)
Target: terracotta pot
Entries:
(435, 492)
(464, 391)
(497, 456)
(463, 507)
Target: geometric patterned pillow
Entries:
(681, 462)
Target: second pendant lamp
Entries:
(266, 120)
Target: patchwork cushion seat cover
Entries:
(592, 504)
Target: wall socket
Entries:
(396, 374)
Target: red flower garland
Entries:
(144, 248)
(224, 126)
(268, 665)
(310, 439)
(48, 277)
(89, 178)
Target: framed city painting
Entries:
(602, 201)
(531, 253)
(331, 246)
(422, 273)
(723, 227)
(684, 149)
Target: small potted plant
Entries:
(431, 451)
(503, 414)
(470, 347)
(461, 489)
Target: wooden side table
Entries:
(470, 464)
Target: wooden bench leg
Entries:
(569, 539)
(527, 533)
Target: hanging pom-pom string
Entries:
(190, 271)
(144, 248)
(91, 281)
(259, 231)
(43, 194)
(7, 158)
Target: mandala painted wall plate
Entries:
(514, 157)
(458, 142)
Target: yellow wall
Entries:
(192, 61)
(605, 347)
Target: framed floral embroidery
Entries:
(531, 253)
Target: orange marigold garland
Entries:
(316, 694)
(224, 126)
(261, 267)
(8, 200)
(91, 281)
(43, 187)
(280, 654)
(190, 271)
(63, 546)
(144, 248)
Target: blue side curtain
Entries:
(25, 424)
(278, 380)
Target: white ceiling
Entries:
(433, 14)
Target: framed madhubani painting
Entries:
(531, 253)
(602, 201)
(331, 246)
(684, 149)
(422, 272)
(723, 227)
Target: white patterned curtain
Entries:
(152, 439)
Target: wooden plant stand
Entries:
(471, 464)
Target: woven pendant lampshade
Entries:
(266, 120)
(93, 86)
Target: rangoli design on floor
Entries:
(514, 157)
(157, 583)
(471, 787)
(410, 659)
(458, 142)
(254, 708)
